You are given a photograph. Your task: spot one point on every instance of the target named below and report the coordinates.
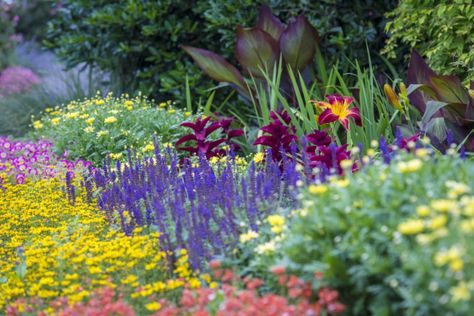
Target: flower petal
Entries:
(354, 113)
(327, 117)
(335, 98)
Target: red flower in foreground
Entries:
(338, 109)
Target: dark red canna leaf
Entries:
(298, 43)
(216, 67)
(256, 50)
(269, 23)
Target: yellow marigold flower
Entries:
(456, 265)
(460, 292)
(129, 279)
(438, 222)
(148, 147)
(153, 306)
(99, 102)
(456, 189)
(214, 160)
(37, 125)
(259, 157)
(194, 283)
(110, 120)
(317, 188)
(409, 166)
(248, 236)
(162, 105)
(276, 220)
(423, 210)
(171, 111)
(55, 121)
(411, 227)
(187, 114)
(128, 103)
(102, 133)
(347, 164)
(422, 152)
(90, 120)
(444, 205)
(116, 156)
(266, 248)
(89, 129)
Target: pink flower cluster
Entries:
(237, 296)
(17, 79)
(21, 160)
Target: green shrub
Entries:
(34, 16)
(93, 128)
(440, 31)
(344, 26)
(7, 25)
(393, 239)
(137, 41)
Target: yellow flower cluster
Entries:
(51, 249)
(457, 211)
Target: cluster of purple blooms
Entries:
(201, 207)
(20, 160)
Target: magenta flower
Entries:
(202, 130)
(338, 109)
(280, 134)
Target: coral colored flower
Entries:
(338, 109)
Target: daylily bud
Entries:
(403, 89)
(471, 93)
(392, 97)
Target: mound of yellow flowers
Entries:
(50, 249)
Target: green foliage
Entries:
(344, 26)
(7, 27)
(393, 239)
(440, 31)
(136, 41)
(34, 16)
(93, 128)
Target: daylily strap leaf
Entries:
(216, 67)
(298, 43)
(256, 49)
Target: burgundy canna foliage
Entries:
(280, 134)
(203, 127)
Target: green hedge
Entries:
(442, 32)
(139, 41)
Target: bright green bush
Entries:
(392, 239)
(136, 41)
(93, 128)
(440, 31)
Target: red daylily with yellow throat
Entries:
(337, 109)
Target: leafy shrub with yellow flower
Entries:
(52, 249)
(393, 239)
(91, 129)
